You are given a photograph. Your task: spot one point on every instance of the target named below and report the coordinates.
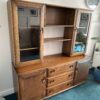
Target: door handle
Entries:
(42, 29)
(51, 81)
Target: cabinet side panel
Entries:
(16, 84)
(67, 46)
(69, 33)
(10, 18)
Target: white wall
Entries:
(68, 3)
(6, 83)
(94, 30)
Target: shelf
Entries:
(59, 26)
(29, 57)
(82, 27)
(25, 49)
(29, 27)
(77, 43)
(55, 39)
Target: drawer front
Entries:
(59, 88)
(60, 69)
(59, 79)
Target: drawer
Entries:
(59, 88)
(52, 71)
(60, 79)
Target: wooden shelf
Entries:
(29, 27)
(59, 26)
(25, 49)
(76, 43)
(82, 27)
(55, 39)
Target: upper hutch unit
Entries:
(48, 48)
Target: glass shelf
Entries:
(55, 39)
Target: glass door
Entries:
(82, 32)
(29, 33)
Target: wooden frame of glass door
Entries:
(15, 4)
(76, 27)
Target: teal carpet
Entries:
(90, 90)
(86, 91)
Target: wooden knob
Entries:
(67, 84)
(44, 81)
(52, 71)
(50, 91)
(69, 75)
(51, 81)
(71, 66)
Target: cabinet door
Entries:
(82, 29)
(33, 86)
(81, 71)
(28, 24)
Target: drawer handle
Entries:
(50, 91)
(51, 81)
(52, 71)
(68, 84)
(44, 81)
(70, 75)
(71, 66)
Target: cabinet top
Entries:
(50, 61)
(46, 4)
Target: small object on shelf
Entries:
(97, 74)
(79, 48)
(34, 12)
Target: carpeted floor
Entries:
(86, 91)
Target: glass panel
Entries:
(84, 20)
(81, 38)
(29, 33)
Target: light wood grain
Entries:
(59, 26)
(29, 49)
(56, 39)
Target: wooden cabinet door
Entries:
(28, 23)
(33, 86)
(81, 32)
(81, 71)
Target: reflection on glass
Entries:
(84, 20)
(29, 33)
(81, 38)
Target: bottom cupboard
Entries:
(41, 81)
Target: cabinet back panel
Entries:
(51, 32)
(59, 16)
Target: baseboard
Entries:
(7, 92)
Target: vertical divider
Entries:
(16, 35)
(42, 32)
(74, 31)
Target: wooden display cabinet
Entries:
(40, 75)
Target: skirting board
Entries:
(7, 92)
